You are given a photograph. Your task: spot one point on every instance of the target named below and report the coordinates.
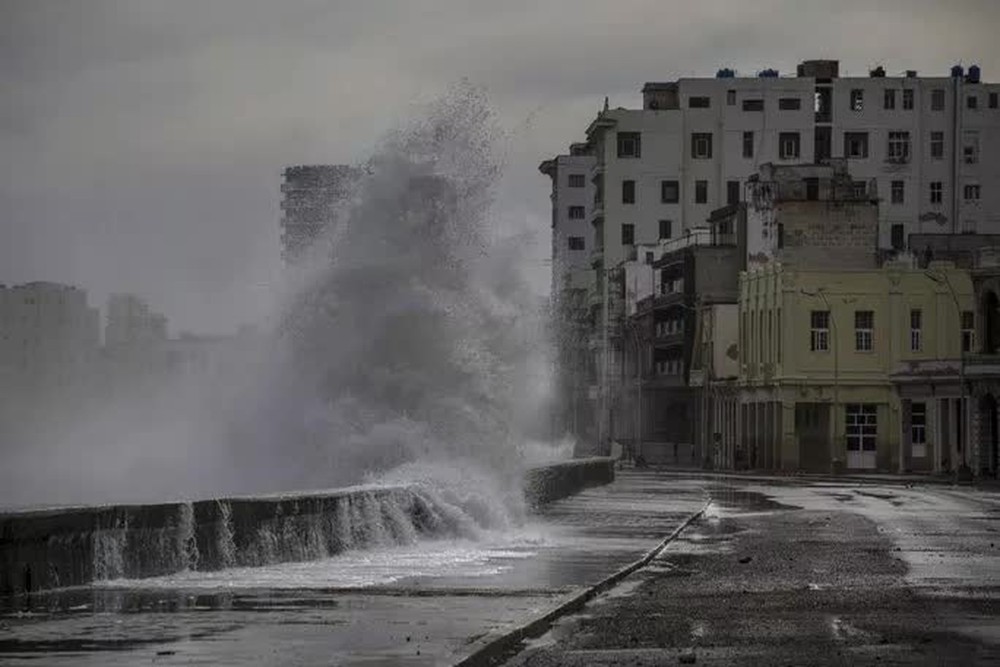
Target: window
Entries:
(781, 235)
(970, 147)
(701, 145)
(732, 192)
(859, 189)
(670, 192)
(856, 145)
(864, 330)
(731, 97)
(861, 427)
(788, 145)
(628, 234)
(898, 236)
(857, 99)
(628, 192)
(993, 101)
(937, 145)
(899, 147)
(907, 99)
(968, 330)
(650, 256)
(971, 192)
(576, 243)
(753, 105)
(701, 192)
(789, 103)
(918, 423)
(819, 330)
(748, 144)
(577, 181)
(889, 100)
(972, 102)
(666, 229)
(577, 213)
(629, 145)
(812, 189)
(937, 99)
(916, 330)
(936, 192)
(699, 102)
(898, 192)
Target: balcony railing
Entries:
(699, 236)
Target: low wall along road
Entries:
(73, 546)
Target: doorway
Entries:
(861, 422)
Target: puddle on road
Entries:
(729, 501)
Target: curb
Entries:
(492, 648)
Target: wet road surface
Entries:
(797, 573)
(424, 604)
(775, 572)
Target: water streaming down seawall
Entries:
(49, 549)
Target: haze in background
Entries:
(407, 345)
(141, 143)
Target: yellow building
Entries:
(824, 354)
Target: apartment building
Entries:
(926, 149)
(49, 337)
(822, 355)
(572, 199)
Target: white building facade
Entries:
(926, 148)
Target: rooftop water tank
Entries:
(768, 74)
(911, 74)
(877, 73)
(725, 73)
(974, 74)
(957, 71)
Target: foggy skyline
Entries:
(142, 143)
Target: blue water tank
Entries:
(974, 74)
(957, 71)
(768, 74)
(725, 73)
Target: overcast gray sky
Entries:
(141, 142)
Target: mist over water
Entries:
(406, 347)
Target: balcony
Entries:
(697, 236)
(982, 365)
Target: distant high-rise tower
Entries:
(309, 195)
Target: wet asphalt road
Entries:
(776, 572)
(435, 599)
(793, 574)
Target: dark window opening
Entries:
(789, 103)
(701, 192)
(699, 102)
(628, 192)
(732, 192)
(669, 192)
(628, 234)
(629, 145)
(666, 229)
(753, 105)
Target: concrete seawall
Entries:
(549, 483)
(74, 546)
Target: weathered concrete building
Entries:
(823, 352)
(572, 278)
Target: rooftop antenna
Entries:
(605, 103)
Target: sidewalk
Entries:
(777, 476)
